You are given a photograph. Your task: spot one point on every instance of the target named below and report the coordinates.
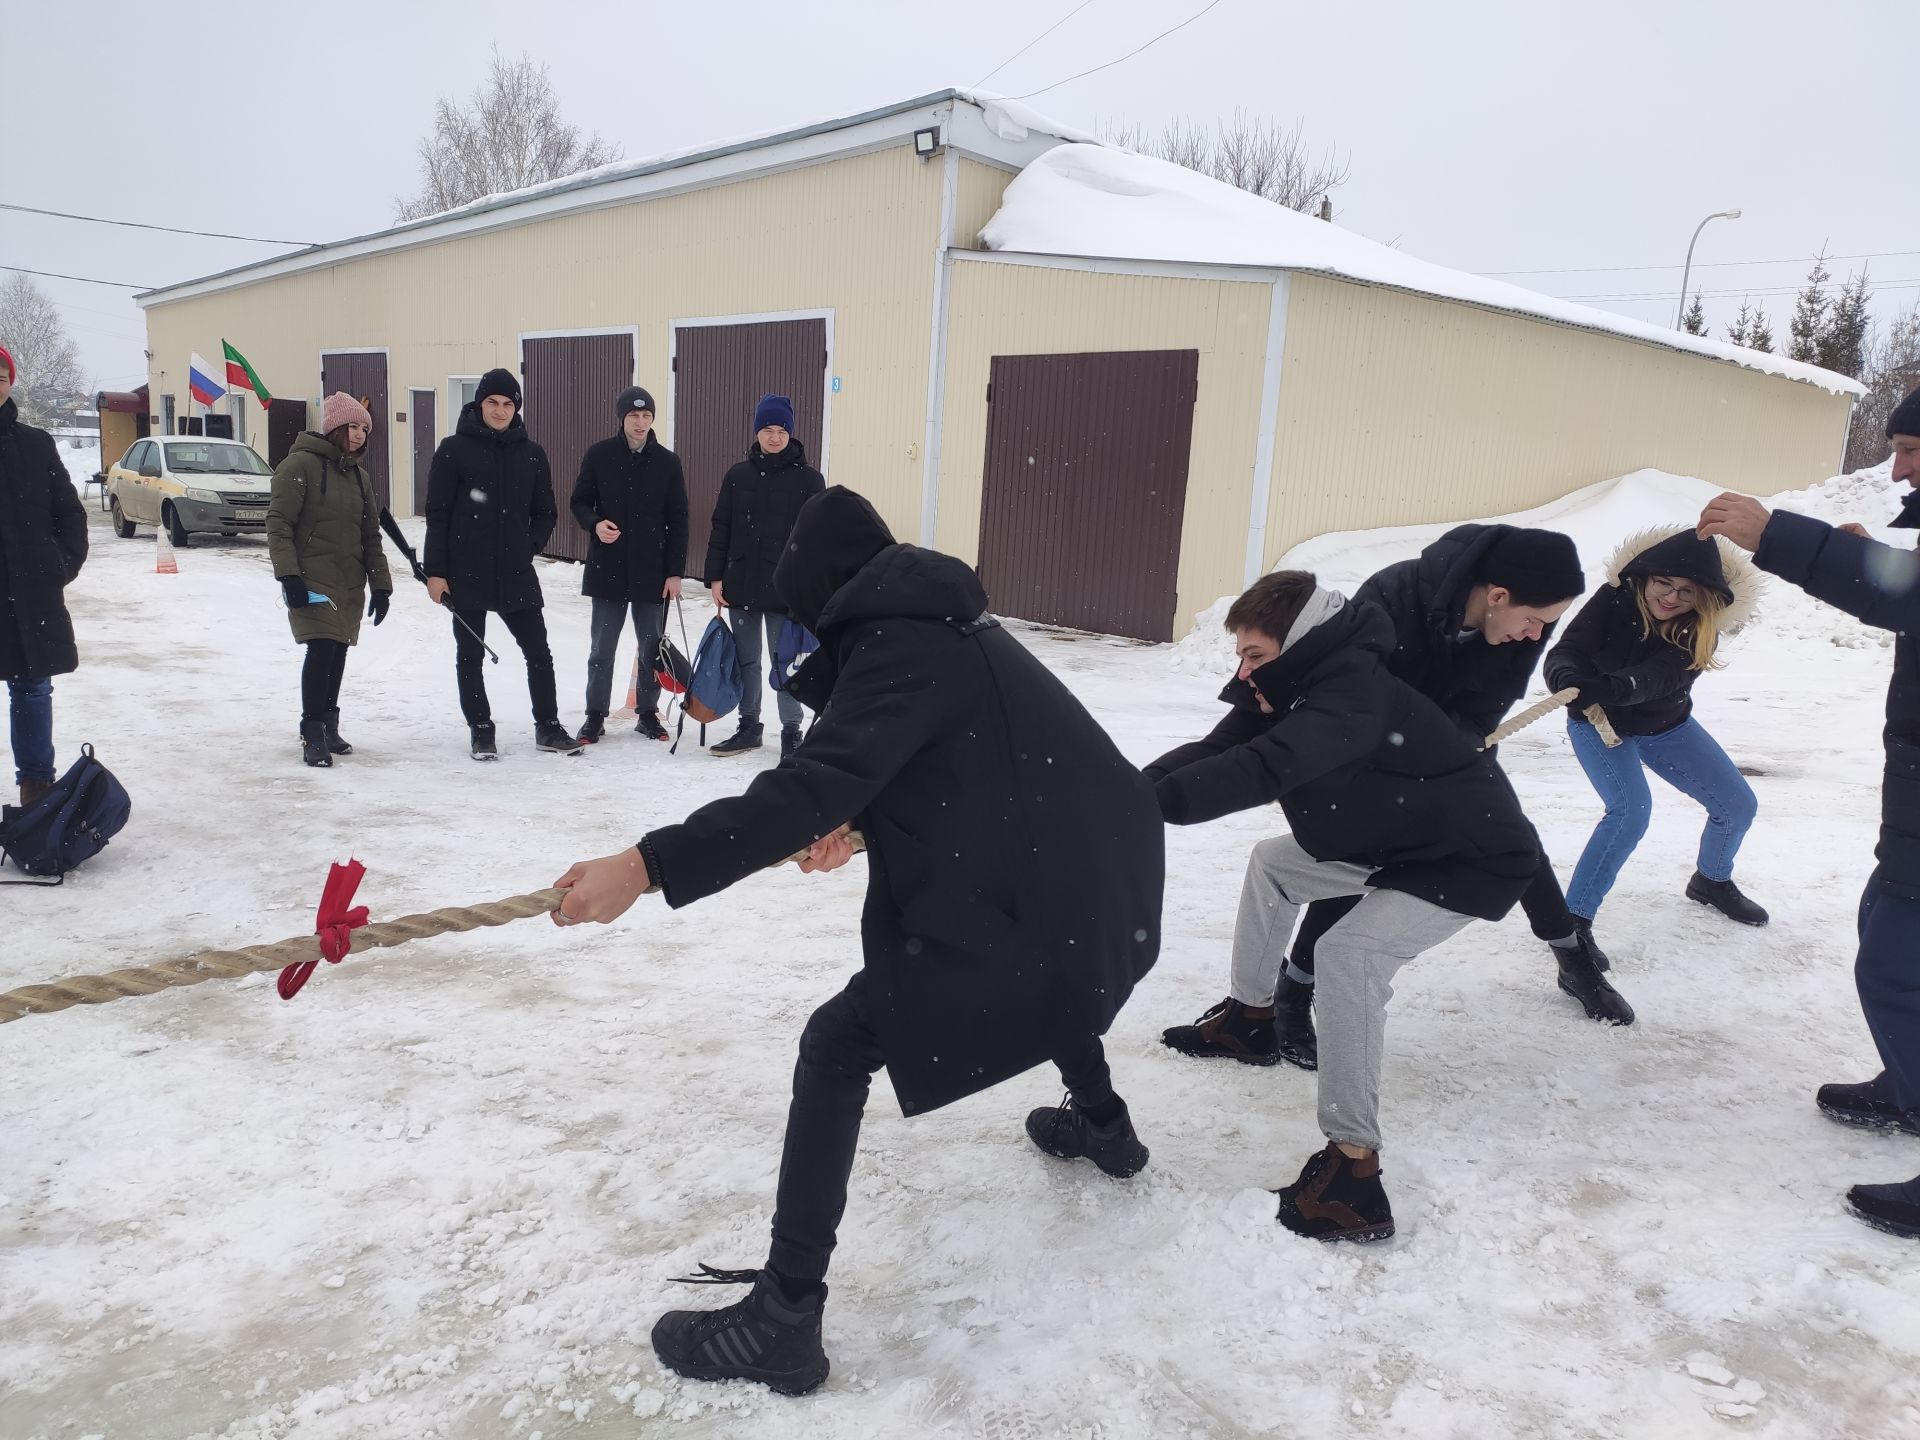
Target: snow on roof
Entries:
(1098, 200)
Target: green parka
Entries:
(324, 525)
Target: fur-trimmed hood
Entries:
(1740, 579)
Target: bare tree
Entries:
(1255, 154)
(1891, 372)
(508, 136)
(44, 355)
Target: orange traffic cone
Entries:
(164, 560)
(633, 689)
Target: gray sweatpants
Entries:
(1358, 959)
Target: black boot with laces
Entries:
(1065, 1132)
(1725, 896)
(772, 1336)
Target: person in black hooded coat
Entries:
(1015, 869)
(490, 511)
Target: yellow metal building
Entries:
(1116, 442)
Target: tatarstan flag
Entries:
(241, 376)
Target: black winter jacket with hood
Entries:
(490, 511)
(1367, 769)
(1641, 679)
(1426, 599)
(643, 492)
(1015, 859)
(43, 544)
(752, 518)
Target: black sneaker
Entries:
(1725, 896)
(1580, 977)
(313, 744)
(552, 736)
(335, 745)
(1064, 1132)
(649, 725)
(480, 744)
(595, 729)
(1293, 1024)
(746, 738)
(1870, 1105)
(1226, 1032)
(765, 1337)
(1583, 931)
(789, 741)
(1892, 1208)
(1337, 1198)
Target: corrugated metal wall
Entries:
(976, 198)
(1086, 479)
(1009, 309)
(1397, 409)
(720, 373)
(855, 236)
(568, 384)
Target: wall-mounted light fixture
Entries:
(926, 143)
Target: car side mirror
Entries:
(149, 472)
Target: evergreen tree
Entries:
(1737, 331)
(1842, 344)
(1810, 315)
(1695, 321)
(1760, 331)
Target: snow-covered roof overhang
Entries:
(973, 123)
(1097, 200)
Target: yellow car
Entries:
(192, 486)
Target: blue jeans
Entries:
(1887, 973)
(1687, 758)
(747, 625)
(609, 619)
(32, 715)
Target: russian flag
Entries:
(200, 381)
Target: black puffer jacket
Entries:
(490, 511)
(1641, 679)
(1367, 769)
(1426, 599)
(1879, 585)
(43, 544)
(752, 518)
(643, 492)
(1015, 859)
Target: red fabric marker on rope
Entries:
(334, 924)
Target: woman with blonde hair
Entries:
(1634, 650)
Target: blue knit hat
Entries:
(773, 410)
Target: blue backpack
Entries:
(70, 824)
(796, 644)
(715, 688)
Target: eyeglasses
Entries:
(1673, 589)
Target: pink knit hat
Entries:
(340, 409)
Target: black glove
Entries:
(294, 588)
(377, 604)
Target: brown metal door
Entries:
(719, 374)
(364, 377)
(570, 383)
(285, 420)
(420, 417)
(1084, 488)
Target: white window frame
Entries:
(455, 401)
(762, 317)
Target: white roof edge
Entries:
(981, 126)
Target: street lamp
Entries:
(1687, 273)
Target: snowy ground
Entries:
(443, 1193)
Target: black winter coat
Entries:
(1367, 769)
(490, 511)
(1426, 599)
(1015, 859)
(751, 521)
(43, 544)
(644, 493)
(1640, 678)
(1880, 585)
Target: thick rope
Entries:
(1513, 725)
(257, 959)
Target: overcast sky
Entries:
(1491, 135)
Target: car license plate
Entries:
(249, 514)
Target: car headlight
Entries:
(209, 496)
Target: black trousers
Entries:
(839, 1053)
(320, 676)
(529, 630)
(1543, 900)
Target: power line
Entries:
(1704, 264)
(1128, 56)
(1668, 295)
(141, 225)
(83, 279)
(1030, 44)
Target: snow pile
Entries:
(1098, 200)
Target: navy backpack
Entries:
(68, 825)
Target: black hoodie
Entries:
(1015, 859)
(490, 511)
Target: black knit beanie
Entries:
(499, 382)
(1537, 567)
(1905, 419)
(631, 399)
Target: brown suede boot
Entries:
(32, 790)
(1337, 1198)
